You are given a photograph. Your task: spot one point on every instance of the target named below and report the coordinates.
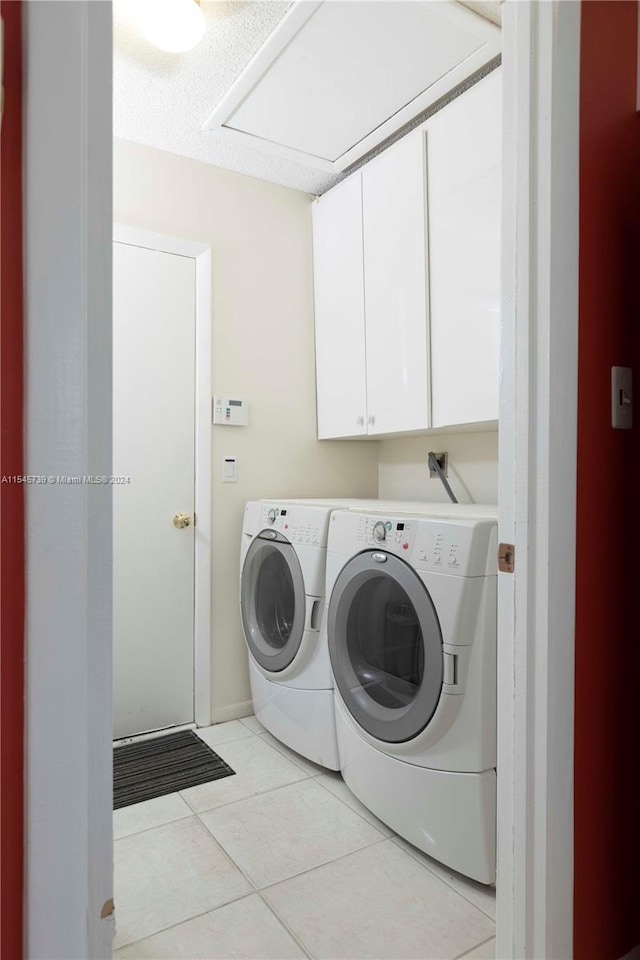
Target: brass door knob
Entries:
(181, 520)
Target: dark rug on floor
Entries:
(161, 765)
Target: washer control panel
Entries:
(296, 524)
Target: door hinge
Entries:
(107, 910)
(506, 557)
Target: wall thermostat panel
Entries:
(232, 412)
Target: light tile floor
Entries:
(281, 861)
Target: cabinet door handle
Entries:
(372, 420)
(360, 421)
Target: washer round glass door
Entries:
(385, 644)
(272, 601)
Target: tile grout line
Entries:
(231, 860)
(272, 907)
(214, 746)
(284, 925)
(357, 812)
(418, 859)
(196, 813)
(254, 891)
(268, 886)
(172, 926)
(165, 823)
(321, 769)
(467, 952)
(177, 793)
(258, 793)
(318, 866)
(284, 879)
(264, 890)
(242, 719)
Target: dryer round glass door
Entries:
(272, 601)
(385, 644)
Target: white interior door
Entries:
(153, 445)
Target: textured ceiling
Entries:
(162, 99)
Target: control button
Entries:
(388, 525)
(405, 546)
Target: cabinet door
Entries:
(395, 272)
(464, 151)
(339, 311)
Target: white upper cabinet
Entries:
(464, 176)
(407, 279)
(370, 263)
(339, 310)
(395, 285)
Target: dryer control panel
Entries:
(464, 548)
(397, 534)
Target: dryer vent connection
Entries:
(438, 463)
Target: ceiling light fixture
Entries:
(172, 25)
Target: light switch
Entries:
(621, 398)
(229, 470)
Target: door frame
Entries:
(201, 254)
(537, 478)
(68, 62)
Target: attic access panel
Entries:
(335, 79)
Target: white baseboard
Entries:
(233, 711)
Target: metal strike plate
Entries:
(506, 558)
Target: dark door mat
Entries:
(153, 768)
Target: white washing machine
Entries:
(411, 630)
(282, 594)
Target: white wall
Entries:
(473, 457)
(263, 350)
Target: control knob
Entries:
(272, 516)
(379, 532)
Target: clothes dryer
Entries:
(282, 595)
(411, 631)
